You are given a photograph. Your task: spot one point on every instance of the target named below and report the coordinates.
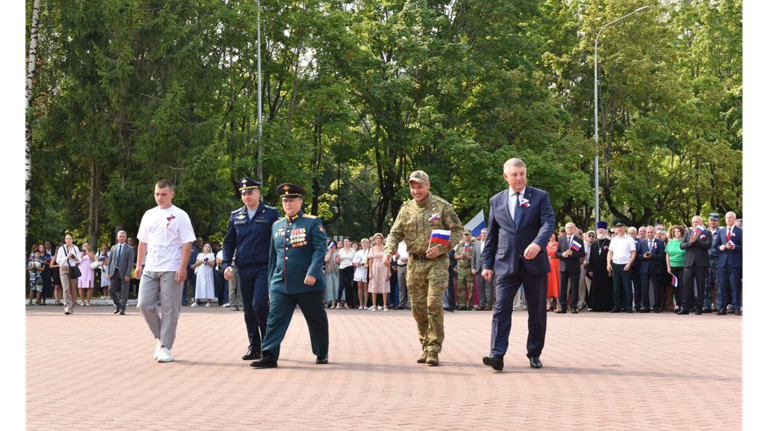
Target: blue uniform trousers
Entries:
(254, 292)
(281, 313)
(712, 278)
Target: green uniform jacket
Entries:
(415, 222)
(298, 249)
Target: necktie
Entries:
(517, 209)
(728, 238)
(119, 253)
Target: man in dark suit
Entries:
(519, 226)
(696, 244)
(729, 242)
(570, 250)
(650, 253)
(121, 259)
(638, 235)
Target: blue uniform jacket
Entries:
(249, 239)
(298, 249)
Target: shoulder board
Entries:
(270, 207)
(309, 216)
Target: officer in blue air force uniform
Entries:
(248, 237)
(295, 277)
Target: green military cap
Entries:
(419, 177)
(288, 190)
(620, 222)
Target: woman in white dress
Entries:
(85, 282)
(103, 258)
(204, 272)
(361, 273)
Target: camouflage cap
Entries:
(419, 177)
(467, 232)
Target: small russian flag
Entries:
(700, 229)
(440, 236)
(731, 243)
(332, 246)
(576, 246)
(674, 281)
(467, 247)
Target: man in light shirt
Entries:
(621, 256)
(165, 243)
(402, 272)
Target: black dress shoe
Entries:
(616, 310)
(251, 355)
(495, 362)
(535, 362)
(698, 312)
(656, 311)
(322, 361)
(706, 310)
(684, 311)
(629, 310)
(450, 309)
(122, 312)
(117, 310)
(721, 312)
(737, 312)
(266, 361)
(645, 310)
(560, 312)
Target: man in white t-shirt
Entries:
(621, 256)
(165, 243)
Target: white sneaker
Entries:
(226, 305)
(360, 307)
(165, 355)
(379, 308)
(157, 349)
(194, 304)
(207, 304)
(372, 308)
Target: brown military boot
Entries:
(423, 358)
(432, 359)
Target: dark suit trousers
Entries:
(281, 313)
(637, 285)
(700, 273)
(645, 285)
(657, 280)
(118, 284)
(730, 283)
(536, 295)
(565, 276)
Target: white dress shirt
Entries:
(513, 200)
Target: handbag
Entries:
(74, 271)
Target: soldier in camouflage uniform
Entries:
(466, 278)
(427, 276)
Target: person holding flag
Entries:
(696, 245)
(430, 228)
(570, 250)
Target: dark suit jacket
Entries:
(505, 243)
(697, 254)
(570, 263)
(652, 265)
(730, 258)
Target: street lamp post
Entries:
(258, 68)
(597, 131)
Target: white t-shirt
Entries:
(622, 248)
(165, 231)
(346, 257)
(402, 250)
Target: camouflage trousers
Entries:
(427, 282)
(712, 277)
(466, 289)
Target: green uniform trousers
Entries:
(427, 281)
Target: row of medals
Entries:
(298, 237)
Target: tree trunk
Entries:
(93, 207)
(28, 103)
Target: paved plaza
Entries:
(94, 370)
